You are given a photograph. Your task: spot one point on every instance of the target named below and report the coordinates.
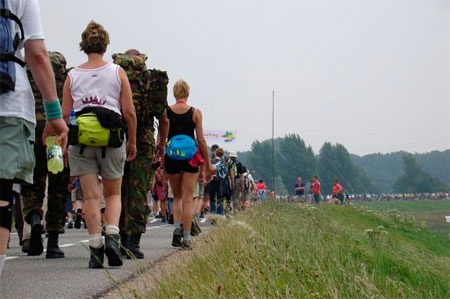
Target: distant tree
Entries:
(416, 180)
(280, 187)
(294, 159)
(259, 161)
(384, 169)
(335, 163)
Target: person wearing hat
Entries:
(237, 180)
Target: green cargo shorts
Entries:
(17, 137)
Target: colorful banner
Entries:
(220, 136)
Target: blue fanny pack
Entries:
(181, 147)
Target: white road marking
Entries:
(66, 245)
(154, 220)
(11, 258)
(153, 227)
(13, 233)
(84, 241)
(203, 220)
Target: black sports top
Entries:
(181, 124)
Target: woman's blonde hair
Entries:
(94, 39)
(181, 89)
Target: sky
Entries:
(373, 75)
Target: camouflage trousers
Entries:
(135, 187)
(33, 195)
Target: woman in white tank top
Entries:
(98, 83)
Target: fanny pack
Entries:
(96, 127)
(181, 147)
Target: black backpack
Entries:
(8, 47)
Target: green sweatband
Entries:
(53, 109)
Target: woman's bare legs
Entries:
(92, 195)
(188, 184)
(112, 193)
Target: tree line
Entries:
(293, 158)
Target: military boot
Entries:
(124, 241)
(134, 247)
(53, 250)
(112, 250)
(97, 257)
(36, 241)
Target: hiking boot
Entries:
(97, 256)
(70, 224)
(195, 228)
(78, 220)
(170, 219)
(124, 244)
(53, 250)
(133, 246)
(197, 224)
(164, 219)
(36, 241)
(112, 250)
(176, 239)
(26, 245)
(186, 245)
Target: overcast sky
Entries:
(373, 75)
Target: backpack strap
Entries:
(9, 15)
(103, 151)
(4, 57)
(82, 147)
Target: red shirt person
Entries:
(337, 188)
(316, 189)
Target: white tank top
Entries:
(98, 87)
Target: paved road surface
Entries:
(69, 277)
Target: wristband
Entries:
(53, 109)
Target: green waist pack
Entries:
(91, 132)
(97, 128)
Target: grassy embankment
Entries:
(288, 250)
(432, 212)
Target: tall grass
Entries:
(291, 250)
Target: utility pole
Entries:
(273, 141)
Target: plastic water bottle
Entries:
(72, 118)
(55, 161)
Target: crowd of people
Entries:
(312, 194)
(101, 117)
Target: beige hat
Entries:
(232, 154)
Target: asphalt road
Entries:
(37, 277)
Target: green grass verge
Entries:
(296, 251)
(409, 206)
(432, 212)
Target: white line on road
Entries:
(13, 233)
(203, 220)
(10, 258)
(154, 220)
(153, 227)
(84, 241)
(66, 245)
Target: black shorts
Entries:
(178, 166)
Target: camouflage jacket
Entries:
(59, 63)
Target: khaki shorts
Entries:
(91, 161)
(17, 139)
(199, 190)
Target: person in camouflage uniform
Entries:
(149, 89)
(33, 195)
